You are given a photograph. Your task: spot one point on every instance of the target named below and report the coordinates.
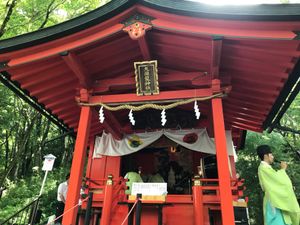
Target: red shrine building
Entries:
(169, 87)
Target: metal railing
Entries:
(27, 215)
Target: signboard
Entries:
(146, 78)
(153, 189)
(48, 162)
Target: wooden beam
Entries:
(181, 78)
(233, 114)
(234, 118)
(164, 95)
(62, 83)
(216, 57)
(48, 52)
(35, 82)
(246, 126)
(144, 48)
(78, 68)
(68, 110)
(62, 102)
(55, 96)
(171, 24)
(21, 72)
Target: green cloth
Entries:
(273, 216)
(156, 178)
(279, 192)
(132, 177)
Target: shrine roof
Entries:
(259, 59)
(263, 12)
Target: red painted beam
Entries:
(108, 65)
(43, 54)
(240, 102)
(216, 52)
(68, 110)
(72, 121)
(144, 48)
(181, 63)
(252, 98)
(201, 29)
(234, 114)
(70, 118)
(246, 127)
(34, 82)
(241, 120)
(253, 73)
(192, 78)
(265, 48)
(164, 95)
(245, 111)
(22, 72)
(257, 82)
(57, 90)
(120, 42)
(78, 69)
(186, 52)
(62, 102)
(62, 83)
(231, 62)
(256, 92)
(56, 96)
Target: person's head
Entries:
(265, 154)
(68, 177)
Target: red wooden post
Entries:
(222, 161)
(106, 211)
(77, 166)
(198, 201)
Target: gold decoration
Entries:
(146, 78)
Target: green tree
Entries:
(24, 130)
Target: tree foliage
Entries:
(24, 131)
(23, 16)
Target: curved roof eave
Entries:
(267, 12)
(261, 12)
(77, 24)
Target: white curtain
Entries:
(193, 139)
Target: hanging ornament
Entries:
(101, 115)
(163, 117)
(197, 112)
(131, 118)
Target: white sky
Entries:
(242, 2)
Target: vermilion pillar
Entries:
(222, 161)
(198, 202)
(77, 165)
(107, 202)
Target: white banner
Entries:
(156, 189)
(194, 139)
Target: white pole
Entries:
(43, 184)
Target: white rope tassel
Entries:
(197, 112)
(163, 117)
(131, 118)
(101, 115)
